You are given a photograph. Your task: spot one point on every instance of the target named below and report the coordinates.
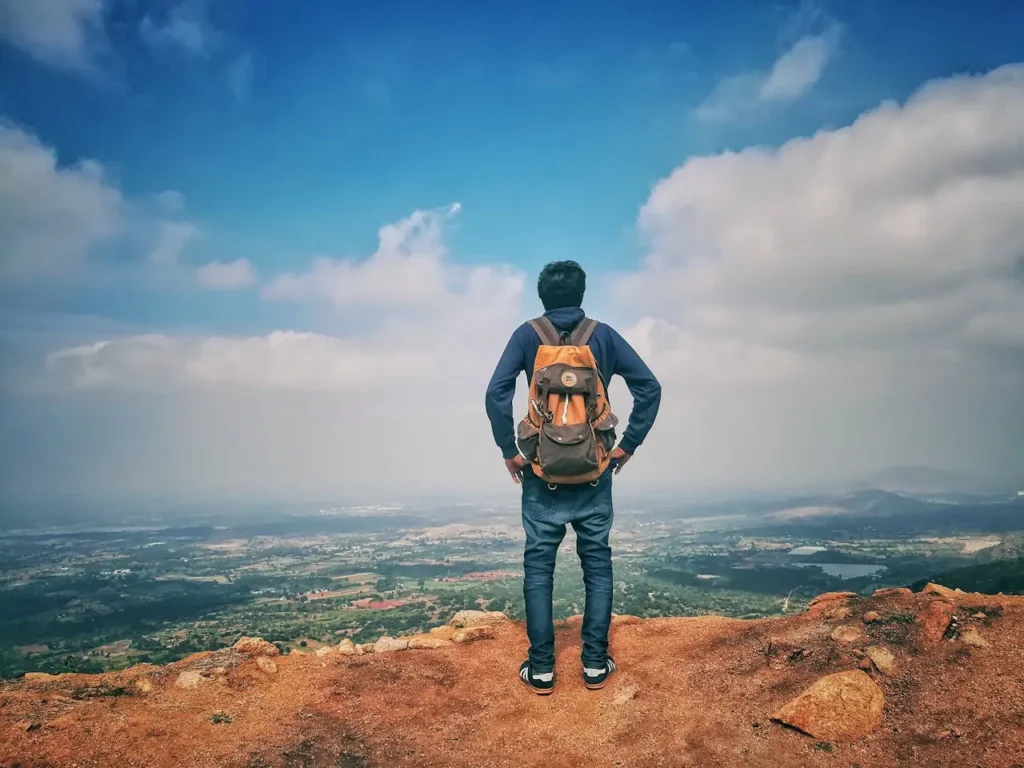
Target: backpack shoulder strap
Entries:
(583, 331)
(546, 330)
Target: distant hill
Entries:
(1006, 576)
(919, 480)
(886, 513)
(866, 503)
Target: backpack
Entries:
(569, 430)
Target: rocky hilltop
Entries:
(934, 678)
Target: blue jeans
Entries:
(546, 512)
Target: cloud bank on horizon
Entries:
(816, 309)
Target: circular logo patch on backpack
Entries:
(569, 379)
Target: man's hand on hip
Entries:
(619, 458)
(515, 467)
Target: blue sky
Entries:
(247, 139)
(548, 125)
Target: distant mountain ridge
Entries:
(919, 479)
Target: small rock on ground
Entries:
(882, 658)
(938, 589)
(891, 592)
(847, 633)
(828, 597)
(388, 644)
(934, 621)
(845, 705)
(266, 664)
(465, 619)
(428, 641)
(256, 646)
(471, 634)
(189, 679)
(973, 638)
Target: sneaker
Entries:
(542, 683)
(596, 678)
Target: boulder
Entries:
(471, 634)
(39, 677)
(837, 613)
(847, 633)
(347, 648)
(882, 658)
(830, 605)
(255, 646)
(938, 589)
(934, 621)
(828, 597)
(387, 644)
(144, 685)
(466, 619)
(190, 678)
(267, 664)
(871, 617)
(364, 648)
(891, 592)
(428, 641)
(325, 650)
(973, 638)
(845, 705)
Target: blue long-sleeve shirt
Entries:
(614, 356)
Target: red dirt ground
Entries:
(689, 692)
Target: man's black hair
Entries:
(561, 284)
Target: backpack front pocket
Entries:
(566, 451)
(527, 436)
(605, 430)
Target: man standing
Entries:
(547, 509)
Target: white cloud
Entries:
(864, 274)
(408, 269)
(185, 27)
(57, 32)
(797, 70)
(428, 311)
(239, 77)
(282, 360)
(64, 223)
(51, 216)
(172, 239)
(792, 75)
(221, 275)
